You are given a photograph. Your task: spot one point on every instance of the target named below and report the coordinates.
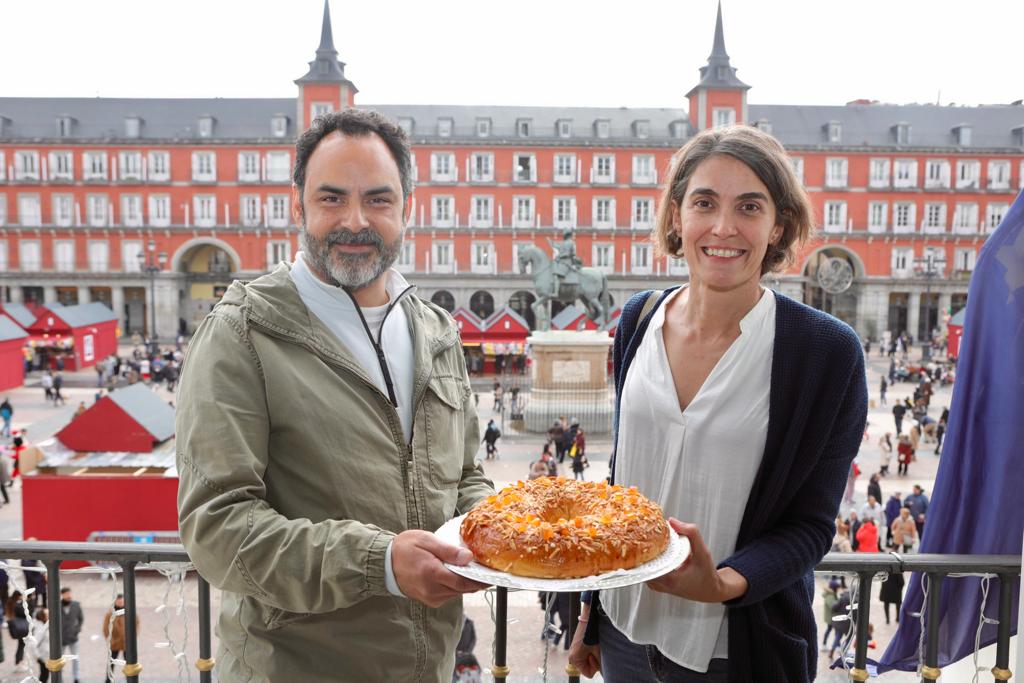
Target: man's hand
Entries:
(586, 658)
(697, 579)
(416, 561)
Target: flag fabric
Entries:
(976, 505)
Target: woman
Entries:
(867, 536)
(885, 453)
(891, 593)
(740, 411)
(904, 454)
(579, 458)
(17, 625)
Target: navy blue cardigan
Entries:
(816, 417)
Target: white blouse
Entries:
(699, 465)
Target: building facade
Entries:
(153, 206)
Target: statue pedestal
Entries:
(570, 379)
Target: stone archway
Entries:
(522, 302)
(444, 299)
(208, 266)
(842, 305)
(482, 304)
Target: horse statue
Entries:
(590, 286)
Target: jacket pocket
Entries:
(446, 429)
(274, 618)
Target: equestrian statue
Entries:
(565, 279)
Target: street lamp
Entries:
(928, 267)
(152, 264)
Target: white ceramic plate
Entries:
(678, 550)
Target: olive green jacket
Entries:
(295, 476)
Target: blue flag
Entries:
(976, 506)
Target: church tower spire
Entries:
(324, 88)
(720, 98)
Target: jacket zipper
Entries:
(376, 343)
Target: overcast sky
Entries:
(639, 53)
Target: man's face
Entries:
(66, 597)
(351, 210)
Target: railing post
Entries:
(498, 668)
(931, 671)
(55, 663)
(205, 662)
(574, 615)
(132, 668)
(1001, 671)
(859, 672)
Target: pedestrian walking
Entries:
(891, 593)
(70, 629)
(875, 489)
(569, 436)
(840, 621)
(58, 384)
(904, 454)
(829, 597)
(39, 644)
(898, 411)
(18, 627)
(6, 413)
(867, 536)
(940, 429)
(579, 455)
(556, 434)
(885, 453)
(46, 382)
(918, 504)
(498, 394)
(113, 631)
(904, 531)
(491, 436)
(892, 513)
(881, 391)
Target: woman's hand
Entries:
(586, 658)
(697, 579)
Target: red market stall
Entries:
(12, 359)
(20, 313)
(954, 332)
(133, 419)
(81, 335)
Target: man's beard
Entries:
(352, 271)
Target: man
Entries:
(6, 413)
(875, 489)
(918, 504)
(566, 262)
(883, 387)
(70, 628)
(898, 411)
(491, 436)
(326, 428)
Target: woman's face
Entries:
(726, 221)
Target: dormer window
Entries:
(602, 128)
(132, 126)
(65, 124)
(4, 122)
(279, 125)
(764, 125)
(723, 73)
(524, 127)
(483, 128)
(1018, 134)
(963, 135)
(444, 127)
(564, 128)
(901, 131)
(407, 124)
(834, 131)
(677, 129)
(205, 126)
(642, 128)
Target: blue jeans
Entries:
(623, 661)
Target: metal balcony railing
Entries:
(864, 566)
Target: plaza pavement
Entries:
(526, 652)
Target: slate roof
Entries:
(719, 73)
(20, 313)
(81, 315)
(146, 408)
(10, 330)
(959, 317)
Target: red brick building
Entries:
(153, 206)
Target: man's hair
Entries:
(65, 590)
(354, 123)
(763, 155)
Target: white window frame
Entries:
(837, 171)
(279, 126)
(482, 257)
(722, 117)
(278, 164)
(481, 167)
(603, 128)
(30, 256)
(278, 251)
(606, 222)
(64, 256)
(878, 173)
(603, 169)
(30, 210)
(902, 263)
(524, 211)
(644, 171)
(205, 126)
(524, 174)
(442, 256)
(131, 210)
(26, 165)
(204, 166)
(129, 165)
(250, 210)
(95, 165)
(641, 261)
(130, 250)
(158, 210)
(442, 167)
(406, 261)
(3, 209)
(641, 218)
(934, 219)
(965, 259)
(834, 219)
(965, 218)
(878, 216)
(564, 128)
(602, 257)
(481, 211)
(277, 210)
(204, 210)
(563, 212)
(936, 174)
(798, 168)
(98, 255)
(994, 214)
(158, 166)
(968, 174)
(678, 267)
(835, 131)
(444, 127)
(319, 109)
(904, 173)
(442, 211)
(904, 217)
(524, 127)
(565, 168)
(998, 174)
(62, 208)
(248, 166)
(5, 263)
(61, 165)
(483, 128)
(3, 166)
(97, 210)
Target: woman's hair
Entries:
(768, 160)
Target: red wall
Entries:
(12, 364)
(104, 341)
(105, 427)
(62, 508)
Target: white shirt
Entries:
(338, 312)
(699, 465)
